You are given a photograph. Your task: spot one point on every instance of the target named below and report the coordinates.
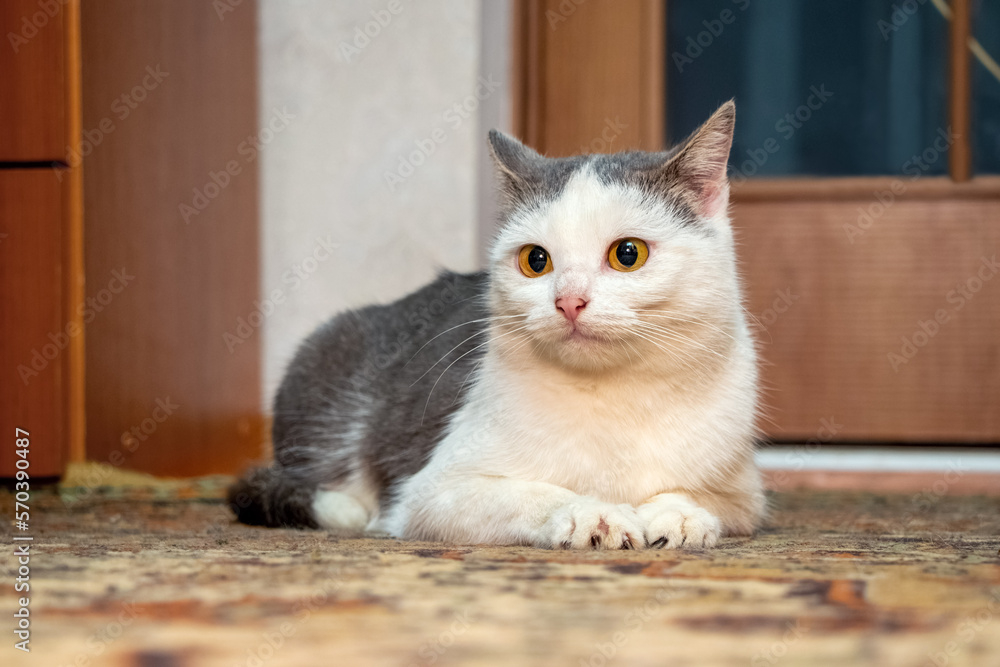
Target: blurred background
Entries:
(187, 188)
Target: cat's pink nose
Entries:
(570, 306)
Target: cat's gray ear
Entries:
(699, 167)
(517, 165)
(511, 156)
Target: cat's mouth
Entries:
(578, 334)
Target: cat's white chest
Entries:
(622, 443)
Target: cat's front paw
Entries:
(673, 522)
(592, 524)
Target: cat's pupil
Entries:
(627, 253)
(537, 259)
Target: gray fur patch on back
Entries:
(375, 388)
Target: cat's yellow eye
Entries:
(534, 261)
(627, 254)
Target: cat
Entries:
(596, 389)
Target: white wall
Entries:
(496, 111)
(356, 115)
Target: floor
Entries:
(159, 576)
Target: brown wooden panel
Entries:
(174, 86)
(574, 97)
(838, 292)
(34, 116)
(960, 90)
(860, 188)
(917, 483)
(34, 335)
(74, 275)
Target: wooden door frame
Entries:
(550, 45)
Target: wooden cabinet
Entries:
(41, 253)
(112, 332)
(39, 342)
(39, 65)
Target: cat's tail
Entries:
(270, 497)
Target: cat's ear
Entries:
(512, 158)
(699, 167)
(517, 165)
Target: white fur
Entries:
(333, 509)
(562, 441)
(350, 505)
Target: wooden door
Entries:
(876, 308)
(170, 107)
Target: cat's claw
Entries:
(591, 524)
(677, 525)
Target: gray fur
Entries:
(361, 391)
(528, 179)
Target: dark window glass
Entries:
(852, 87)
(986, 87)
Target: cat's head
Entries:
(607, 260)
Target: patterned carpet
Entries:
(157, 575)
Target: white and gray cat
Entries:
(596, 389)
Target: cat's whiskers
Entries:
(520, 342)
(754, 318)
(696, 321)
(638, 354)
(681, 361)
(759, 324)
(724, 295)
(462, 356)
(463, 324)
(461, 389)
(445, 356)
(621, 343)
(671, 353)
(677, 337)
